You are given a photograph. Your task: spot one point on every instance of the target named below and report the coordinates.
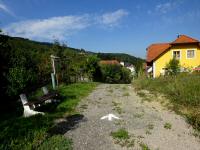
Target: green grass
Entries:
(123, 138)
(120, 134)
(33, 132)
(167, 125)
(144, 146)
(126, 94)
(183, 92)
(56, 142)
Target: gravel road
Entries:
(148, 123)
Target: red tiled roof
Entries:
(110, 62)
(155, 50)
(184, 39)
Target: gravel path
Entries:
(144, 122)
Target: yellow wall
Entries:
(161, 62)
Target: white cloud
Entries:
(113, 18)
(164, 8)
(47, 29)
(4, 8)
(62, 26)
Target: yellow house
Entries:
(184, 48)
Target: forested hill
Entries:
(17, 42)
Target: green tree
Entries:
(173, 67)
(92, 67)
(22, 72)
(4, 63)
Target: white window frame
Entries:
(176, 51)
(190, 50)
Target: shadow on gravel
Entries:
(69, 123)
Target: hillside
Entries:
(17, 42)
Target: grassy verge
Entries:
(33, 132)
(183, 92)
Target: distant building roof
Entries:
(155, 50)
(110, 62)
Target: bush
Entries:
(111, 73)
(173, 67)
(115, 74)
(18, 79)
(126, 75)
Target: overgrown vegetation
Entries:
(37, 132)
(26, 65)
(25, 62)
(115, 74)
(182, 91)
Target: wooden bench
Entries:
(27, 108)
(48, 97)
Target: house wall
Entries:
(184, 61)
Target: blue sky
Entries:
(127, 26)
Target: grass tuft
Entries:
(120, 134)
(167, 125)
(144, 146)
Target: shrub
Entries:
(110, 73)
(126, 75)
(18, 79)
(92, 68)
(115, 74)
(173, 67)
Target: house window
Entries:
(176, 54)
(190, 53)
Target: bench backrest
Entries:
(45, 90)
(23, 98)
